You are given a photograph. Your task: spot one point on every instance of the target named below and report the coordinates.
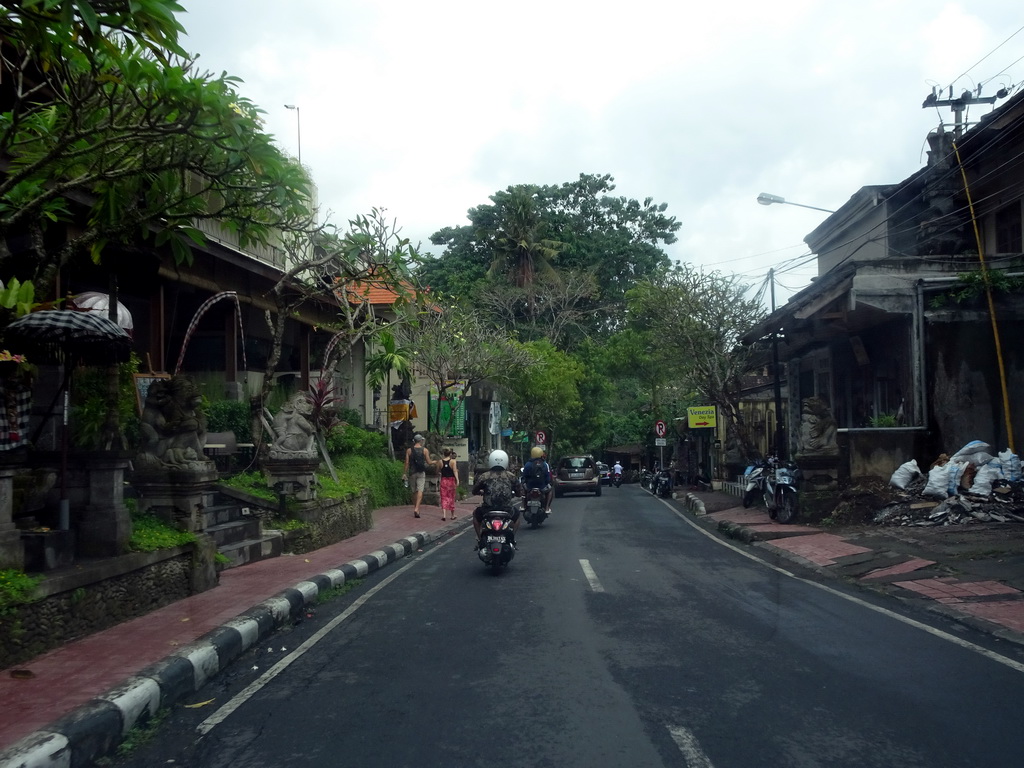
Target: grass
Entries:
(16, 587)
(150, 533)
(338, 591)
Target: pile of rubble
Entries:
(970, 486)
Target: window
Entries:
(1008, 229)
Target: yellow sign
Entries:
(702, 416)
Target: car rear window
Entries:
(576, 462)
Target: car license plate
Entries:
(575, 475)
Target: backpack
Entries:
(416, 460)
(534, 470)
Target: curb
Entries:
(98, 726)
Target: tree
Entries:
(545, 394)
(455, 350)
(108, 125)
(559, 314)
(699, 317)
(577, 227)
(339, 270)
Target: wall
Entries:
(878, 452)
(92, 599)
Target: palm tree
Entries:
(521, 250)
(389, 356)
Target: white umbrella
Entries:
(93, 301)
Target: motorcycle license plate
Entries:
(495, 539)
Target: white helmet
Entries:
(497, 459)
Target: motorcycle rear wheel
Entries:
(787, 510)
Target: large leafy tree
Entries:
(535, 234)
(454, 350)
(699, 318)
(545, 394)
(110, 134)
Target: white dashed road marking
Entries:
(687, 743)
(591, 576)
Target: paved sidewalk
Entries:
(881, 562)
(71, 704)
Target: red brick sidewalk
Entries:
(809, 545)
(68, 677)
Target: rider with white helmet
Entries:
(499, 487)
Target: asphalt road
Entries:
(621, 635)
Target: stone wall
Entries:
(94, 598)
(327, 521)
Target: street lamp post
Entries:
(298, 128)
(765, 199)
(781, 440)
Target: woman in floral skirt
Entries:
(449, 481)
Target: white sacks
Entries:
(905, 474)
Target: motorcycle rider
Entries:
(537, 474)
(617, 473)
(499, 487)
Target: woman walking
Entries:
(449, 481)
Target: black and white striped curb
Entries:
(98, 726)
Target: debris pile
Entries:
(970, 486)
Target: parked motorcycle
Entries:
(663, 484)
(776, 482)
(496, 547)
(533, 507)
(647, 480)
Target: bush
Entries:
(149, 533)
(346, 439)
(16, 587)
(230, 416)
(253, 483)
(380, 476)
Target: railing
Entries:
(218, 233)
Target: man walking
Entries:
(416, 460)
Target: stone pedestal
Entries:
(293, 477)
(178, 496)
(47, 550)
(818, 472)
(104, 524)
(12, 552)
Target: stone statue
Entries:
(173, 428)
(293, 431)
(817, 429)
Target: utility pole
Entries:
(781, 449)
(960, 104)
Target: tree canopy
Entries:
(108, 124)
(537, 235)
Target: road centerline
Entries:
(595, 584)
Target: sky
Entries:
(427, 109)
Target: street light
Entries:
(765, 199)
(298, 128)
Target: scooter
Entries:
(496, 547)
(533, 507)
(776, 482)
(663, 484)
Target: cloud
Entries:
(427, 109)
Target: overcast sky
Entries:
(426, 109)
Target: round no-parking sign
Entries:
(660, 429)
(542, 438)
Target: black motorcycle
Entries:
(496, 547)
(617, 479)
(662, 484)
(533, 507)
